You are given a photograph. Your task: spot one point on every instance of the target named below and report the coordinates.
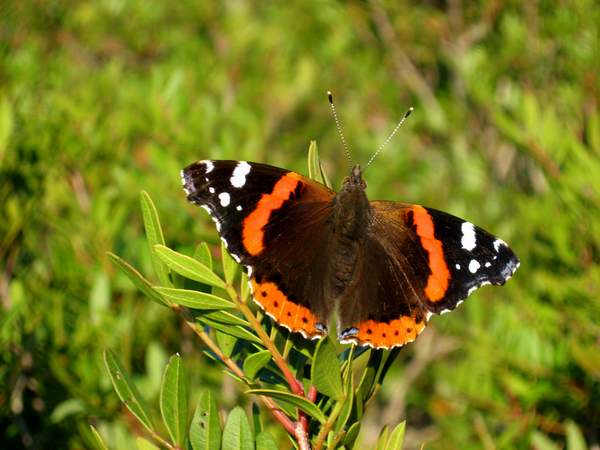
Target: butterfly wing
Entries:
(274, 222)
(416, 261)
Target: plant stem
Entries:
(301, 430)
(279, 415)
(294, 384)
(327, 426)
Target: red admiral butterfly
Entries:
(384, 267)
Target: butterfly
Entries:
(383, 267)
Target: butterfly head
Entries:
(355, 181)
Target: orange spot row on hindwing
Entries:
(437, 283)
(395, 333)
(253, 227)
(285, 312)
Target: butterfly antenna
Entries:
(389, 138)
(338, 125)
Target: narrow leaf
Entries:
(226, 318)
(233, 330)
(244, 287)
(194, 299)
(226, 342)
(255, 362)
(396, 440)
(188, 267)
(540, 441)
(143, 444)
(203, 255)
(326, 370)
(229, 265)
(315, 170)
(295, 400)
(264, 441)
(346, 411)
(575, 439)
(173, 400)
(137, 279)
(154, 235)
(97, 439)
(205, 430)
(126, 390)
(237, 434)
(352, 434)
(383, 438)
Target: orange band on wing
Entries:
(387, 335)
(437, 283)
(253, 228)
(287, 313)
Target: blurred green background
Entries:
(99, 100)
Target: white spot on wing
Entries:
(474, 266)
(238, 179)
(224, 198)
(238, 207)
(457, 266)
(209, 165)
(498, 243)
(468, 240)
(211, 190)
(488, 264)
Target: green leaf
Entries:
(232, 330)
(137, 279)
(237, 434)
(326, 371)
(244, 287)
(346, 411)
(264, 441)
(97, 439)
(396, 440)
(229, 265)
(174, 401)
(352, 434)
(291, 399)
(315, 170)
(154, 235)
(226, 342)
(194, 299)
(225, 317)
(188, 267)
(127, 391)
(144, 444)
(255, 362)
(205, 429)
(383, 438)
(540, 441)
(575, 439)
(6, 124)
(203, 255)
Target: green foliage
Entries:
(101, 100)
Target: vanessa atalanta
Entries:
(384, 267)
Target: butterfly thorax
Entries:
(349, 220)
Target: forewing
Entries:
(274, 222)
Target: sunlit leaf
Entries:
(174, 400)
(205, 429)
(237, 434)
(188, 267)
(194, 299)
(154, 235)
(300, 402)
